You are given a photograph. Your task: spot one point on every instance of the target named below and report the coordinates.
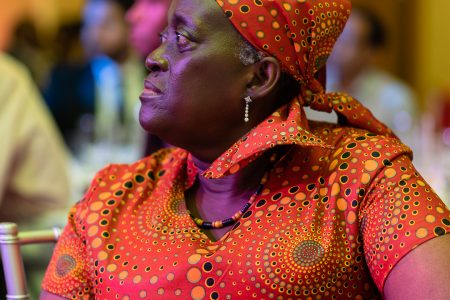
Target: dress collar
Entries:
(286, 126)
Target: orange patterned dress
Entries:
(337, 213)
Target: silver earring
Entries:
(248, 100)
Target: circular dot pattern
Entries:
(300, 34)
(308, 253)
(316, 231)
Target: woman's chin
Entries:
(147, 122)
(152, 123)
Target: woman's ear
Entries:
(265, 76)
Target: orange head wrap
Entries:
(300, 34)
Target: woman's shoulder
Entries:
(348, 149)
(153, 162)
(358, 141)
(126, 178)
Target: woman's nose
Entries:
(155, 63)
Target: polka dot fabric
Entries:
(301, 35)
(337, 213)
(287, 125)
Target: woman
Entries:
(261, 204)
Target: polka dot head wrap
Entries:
(301, 34)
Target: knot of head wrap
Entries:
(349, 110)
(315, 97)
(301, 34)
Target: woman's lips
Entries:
(150, 91)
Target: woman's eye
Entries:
(163, 37)
(182, 40)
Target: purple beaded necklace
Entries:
(233, 219)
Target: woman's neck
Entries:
(219, 199)
(232, 185)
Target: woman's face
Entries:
(193, 94)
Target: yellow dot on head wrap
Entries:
(275, 25)
(274, 12)
(287, 6)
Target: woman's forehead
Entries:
(198, 13)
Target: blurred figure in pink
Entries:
(147, 19)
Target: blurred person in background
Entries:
(96, 105)
(33, 160)
(352, 68)
(116, 70)
(34, 179)
(435, 142)
(29, 48)
(147, 19)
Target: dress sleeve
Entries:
(70, 271)
(399, 212)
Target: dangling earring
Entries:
(248, 100)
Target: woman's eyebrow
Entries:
(182, 19)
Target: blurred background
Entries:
(57, 41)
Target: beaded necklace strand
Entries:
(233, 219)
